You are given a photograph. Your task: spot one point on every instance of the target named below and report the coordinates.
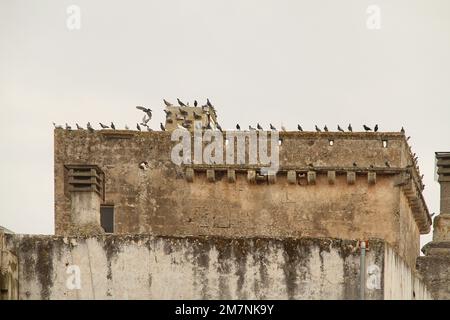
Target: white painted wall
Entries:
(146, 267)
(400, 281)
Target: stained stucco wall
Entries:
(401, 282)
(160, 201)
(435, 270)
(145, 267)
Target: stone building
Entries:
(340, 219)
(435, 265)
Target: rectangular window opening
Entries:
(107, 218)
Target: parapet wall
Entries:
(344, 190)
(146, 267)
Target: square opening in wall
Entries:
(107, 218)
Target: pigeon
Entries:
(238, 127)
(272, 127)
(138, 127)
(350, 127)
(409, 137)
(251, 128)
(103, 126)
(431, 216)
(145, 121)
(195, 103)
(208, 103)
(89, 127)
(299, 127)
(340, 129)
(375, 129)
(148, 111)
(387, 164)
(57, 126)
(317, 129)
(258, 126)
(325, 128)
(113, 126)
(68, 127)
(167, 103)
(162, 126)
(402, 130)
(219, 127)
(283, 128)
(180, 103)
(366, 128)
(78, 127)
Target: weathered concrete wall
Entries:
(146, 267)
(160, 201)
(434, 267)
(9, 284)
(400, 281)
(408, 239)
(435, 271)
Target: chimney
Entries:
(86, 187)
(442, 221)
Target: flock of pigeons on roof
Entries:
(205, 109)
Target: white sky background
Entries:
(308, 62)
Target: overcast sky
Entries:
(285, 62)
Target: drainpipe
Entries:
(362, 271)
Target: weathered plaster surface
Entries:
(146, 267)
(160, 201)
(400, 281)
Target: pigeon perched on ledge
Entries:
(89, 127)
(180, 103)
